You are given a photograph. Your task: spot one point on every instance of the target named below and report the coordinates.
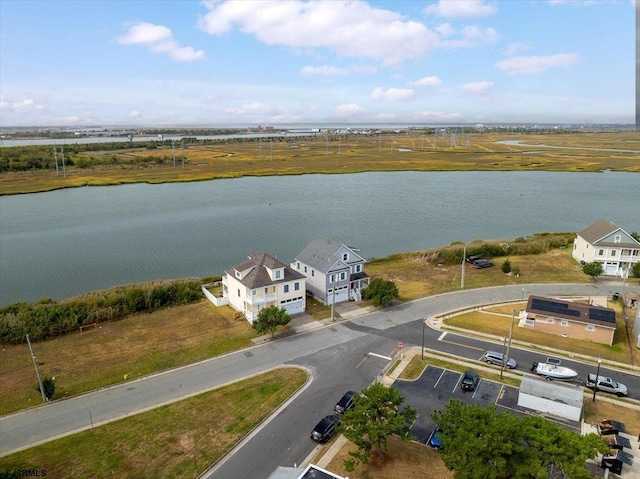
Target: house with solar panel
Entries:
(569, 319)
(334, 272)
(605, 242)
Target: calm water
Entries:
(67, 242)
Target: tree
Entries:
(506, 266)
(593, 269)
(635, 235)
(635, 270)
(375, 416)
(270, 318)
(49, 387)
(381, 291)
(480, 442)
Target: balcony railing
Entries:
(262, 298)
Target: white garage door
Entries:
(294, 307)
(610, 269)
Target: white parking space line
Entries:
(442, 336)
(441, 374)
(476, 389)
(456, 386)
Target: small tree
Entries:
(270, 318)
(593, 269)
(506, 266)
(375, 416)
(635, 270)
(49, 386)
(381, 291)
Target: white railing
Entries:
(263, 298)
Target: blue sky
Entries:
(74, 63)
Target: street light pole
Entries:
(424, 322)
(595, 385)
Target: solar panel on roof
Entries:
(602, 315)
(553, 307)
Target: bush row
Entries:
(47, 318)
(537, 244)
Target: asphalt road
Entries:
(335, 355)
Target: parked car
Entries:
(472, 258)
(606, 384)
(470, 381)
(325, 429)
(482, 263)
(345, 403)
(494, 357)
(434, 440)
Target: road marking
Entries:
(441, 374)
(380, 356)
(362, 361)
(442, 336)
(464, 345)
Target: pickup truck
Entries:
(606, 384)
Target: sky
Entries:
(245, 62)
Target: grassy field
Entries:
(409, 151)
(174, 441)
(120, 350)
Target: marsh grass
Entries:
(350, 154)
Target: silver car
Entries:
(494, 357)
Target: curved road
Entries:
(336, 355)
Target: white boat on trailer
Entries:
(553, 370)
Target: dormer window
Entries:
(617, 238)
(345, 256)
(278, 274)
(238, 275)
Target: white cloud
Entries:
(438, 117)
(392, 94)
(34, 103)
(514, 48)
(251, 109)
(348, 110)
(473, 36)
(535, 64)
(349, 29)
(580, 3)
(328, 70)
(445, 29)
(461, 8)
(135, 114)
(427, 81)
(159, 39)
(478, 88)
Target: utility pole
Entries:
(333, 304)
(464, 259)
(35, 364)
(64, 168)
(507, 345)
(55, 156)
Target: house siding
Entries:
(573, 330)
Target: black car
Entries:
(482, 263)
(470, 381)
(325, 429)
(473, 258)
(345, 403)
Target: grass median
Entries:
(174, 441)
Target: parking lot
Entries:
(436, 386)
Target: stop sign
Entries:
(400, 346)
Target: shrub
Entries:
(506, 266)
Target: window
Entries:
(591, 327)
(253, 292)
(617, 238)
(237, 274)
(600, 252)
(332, 278)
(313, 273)
(286, 288)
(266, 290)
(550, 320)
(238, 293)
(298, 264)
(613, 252)
(345, 256)
(305, 269)
(358, 268)
(343, 276)
(278, 274)
(296, 286)
(529, 322)
(564, 322)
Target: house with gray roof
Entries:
(334, 272)
(260, 282)
(605, 242)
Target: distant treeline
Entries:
(47, 318)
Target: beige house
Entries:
(261, 282)
(605, 242)
(569, 319)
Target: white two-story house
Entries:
(605, 242)
(334, 272)
(261, 282)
